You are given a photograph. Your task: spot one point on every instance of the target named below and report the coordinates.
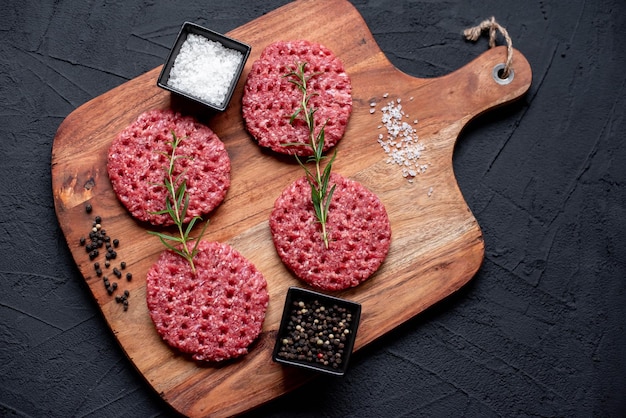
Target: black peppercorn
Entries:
(98, 238)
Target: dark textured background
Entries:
(538, 332)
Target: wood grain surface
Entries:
(436, 248)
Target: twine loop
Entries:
(472, 34)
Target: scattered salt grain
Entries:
(204, 69)
(401, 142)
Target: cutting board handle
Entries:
(477, 87)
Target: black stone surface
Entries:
(538, 332)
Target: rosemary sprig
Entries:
(176, 205)
(320, 194)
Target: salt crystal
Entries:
(204, 69)
(401, 143)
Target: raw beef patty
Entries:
(137, 165)
(270, 99)
(214, 315)
(358, 228)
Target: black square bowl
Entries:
(317, 331)
(230, 43)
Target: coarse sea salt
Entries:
(401, 142)
(204, 69)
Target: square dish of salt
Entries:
(204, 66)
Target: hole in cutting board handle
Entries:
(497, 74)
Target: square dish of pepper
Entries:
(317, 331)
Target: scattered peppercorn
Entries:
(98, 238)
(129, 276)
(123, 299)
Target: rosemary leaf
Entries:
(195, 247)
(165, 236)
(329, 198)
(190, 225)
(176, 206)
(319, 180)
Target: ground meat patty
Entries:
(137, 165)
(214, 315)
(269, 99)
(358, 228)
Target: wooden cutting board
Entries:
(437, 245)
